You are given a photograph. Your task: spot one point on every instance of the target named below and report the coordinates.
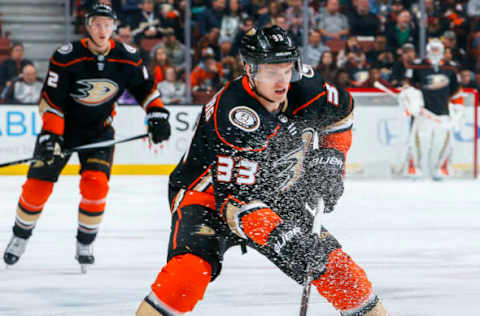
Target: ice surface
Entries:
(418, 242)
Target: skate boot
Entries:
(15, 249)
(84, 256)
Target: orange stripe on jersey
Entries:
(259, 224)
(340, 141)
(125, 61)
(308, 103)
(53, 123)
(344, 284)
(199, 178)
(156, 103)
(78, 60)
(53, 105)
(198, 198)
(175, 231)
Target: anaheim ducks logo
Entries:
(291, 164)
(436, 81)
(205, 230)
(94, 92)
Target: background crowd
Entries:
(352, 43)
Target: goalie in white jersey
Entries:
(434, 99)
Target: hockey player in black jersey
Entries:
(263, 147)
(435, 100)
(77, 105)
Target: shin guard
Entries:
(345, 284)
(94, 189)
(35, 194)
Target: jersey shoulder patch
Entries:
(125, 51)
(65, 54)
(240, 121)
(65, 49)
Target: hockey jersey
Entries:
(241, 153)
(438, 84)
(79, 93)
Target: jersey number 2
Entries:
(52, 80)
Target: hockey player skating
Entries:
(263, 147)
(84, 80)
(435, 101)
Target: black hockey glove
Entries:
(49, 147)
(158, 125)
(324, 175)
(298, 249)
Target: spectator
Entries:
(459, 55)
(374, 74)
(146, 23)
(172, 90)
(207, 77)
(175, 50)
(159, 63)
(294, 17)
(230, 23)
(247, 24)
(402, 32)
(170, 19)
(208, 40)
(124, 35)
(275, 9)
(361, 21)
(395, 9)
(342, 79)
(357, 66)
(313, 51)
(467, 79)
(351, 45)
(379, 54)
(211, 18)
(26, 88)
(12, 67)
(473, 8)
(331, 23)
(327, 66)
(281, 21)
(400, 67)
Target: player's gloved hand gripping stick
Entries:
(101, 144)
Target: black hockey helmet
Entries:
(270, 45)
(100, 10)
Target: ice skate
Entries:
(15, 249)
(84, 256)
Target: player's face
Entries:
(272, 80)
(101, 29)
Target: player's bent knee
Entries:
(344, 284)
(182, 282)
(94, 189)
(35, 194)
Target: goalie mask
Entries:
(435, 51)
(270, 45)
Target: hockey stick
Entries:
(423, 111)
(316, 229)
(106, 143)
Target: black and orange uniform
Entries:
(245, 179)
(78, 104)
(439, 84)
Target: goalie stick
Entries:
(101, 144)
(316, 229)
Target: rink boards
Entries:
(379, 138)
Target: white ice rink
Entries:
(419, 243)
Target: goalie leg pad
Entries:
(182, 282)
(344, 284)
(94, 189)
(35, 194)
